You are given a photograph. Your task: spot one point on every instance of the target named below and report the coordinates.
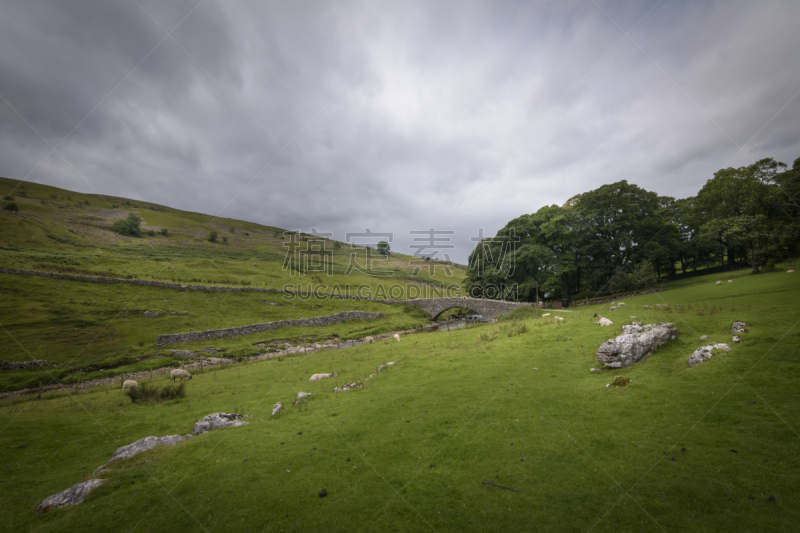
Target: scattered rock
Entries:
(183, 353)
(739, 327)
(300, 396)
(16, 365)
(152, 314)
(178, 313)
(277, 408)
(736, 339)
(704, 337)
(218, 420)
(636, 343)
(210, 350)
(594, 370)
(704, 353)
(72, 496)
(267, 302)
(142, 445)
(349, 386)
(323, 493)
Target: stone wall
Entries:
(615, 297)
(179, 338)
(178, 286)
(487, 308)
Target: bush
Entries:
(164, 232)
(246, 234)
(212, 236)
(7, 197)
(224, 239)
(151, 233)
(11, 207)
(147, 392)
(128, 226)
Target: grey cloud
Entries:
(497, 109)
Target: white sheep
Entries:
(719, 283)
(602, 321)
(545, 315)
(559, 318)
(789, 271)
(179, 373)
(130, 384)
(369, 339)
(730, 281)
(397, 337)
(621, 303)
(317, 377)
(613, 308)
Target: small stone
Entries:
(734, 451)
(323, 493)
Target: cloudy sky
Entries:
(393, 116)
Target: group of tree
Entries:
(620, 237)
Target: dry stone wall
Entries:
(179, 338)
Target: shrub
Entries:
(151, 233)
(128, 226)
(7, 197)
(224, 239)
(11, 207)
(246, 234)
(212, 235)
(23, 193)
(233, 229)
(147, 392)
(164, 232)
(621, 381)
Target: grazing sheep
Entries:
(613, 308)
(397, 337)
(369, 339)
(559, 318)
(130, 384)
(719, 283)
(730, 281)
(300, 396)
(602, 321)
(621, 304)
(317, 377)
(179, 373)
(545, 315)
(789, 271)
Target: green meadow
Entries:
(709, 448)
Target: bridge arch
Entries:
(488, 308)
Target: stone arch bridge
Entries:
(487, 308)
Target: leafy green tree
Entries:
(11, 207)
(212, 235)
(642, 276)
(383, 248)
(128, 226)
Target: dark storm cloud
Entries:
(393, 116)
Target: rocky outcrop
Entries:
(636, 343)
(738, 327)
(72, 496)
(277, 408)
(178, 338)
(16, 365)
(147, 443)
(218, 420)
(703, 353)
(152, 314)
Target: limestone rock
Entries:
(704, 337)
(738, 327)
(277, 408)
(704, 353)
(72, 496)
(218, 420)
(636, 343)
(152, 314)
(147, 443)
(15, 365)
(736, 338)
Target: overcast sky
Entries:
(393, 116)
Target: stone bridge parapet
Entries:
(487, 308)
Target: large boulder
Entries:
(738, 327)
(147, 443)
(218, 420)
(72, 496)
(635, 344)
(703, 353)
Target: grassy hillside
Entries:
(63, 231)
(679, 449)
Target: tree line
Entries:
(621, 237)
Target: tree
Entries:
(128, 226)
(11, 207)
(212, 235)
(383, 248)
(642, 276)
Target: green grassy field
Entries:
(411, 450)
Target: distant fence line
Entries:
(613, 297)
(327, 320)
